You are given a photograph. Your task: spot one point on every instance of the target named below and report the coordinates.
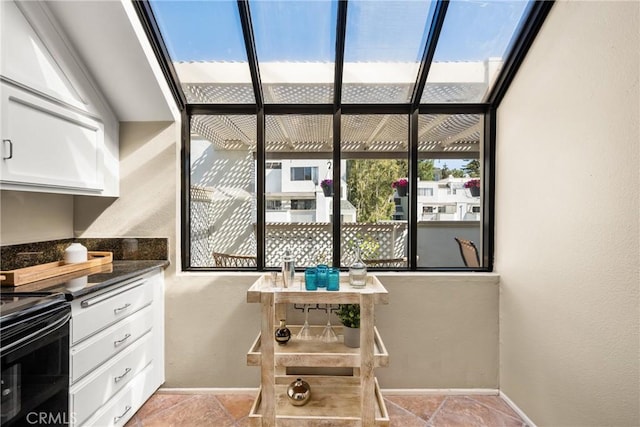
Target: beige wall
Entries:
(567, 247)
(441, 331)
(209, 326)
(27, 217)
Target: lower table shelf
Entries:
(333, 403)
(317, 353)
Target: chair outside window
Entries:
(469, 253)
(232, 260)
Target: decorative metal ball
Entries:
(282, 334)
(299, 392)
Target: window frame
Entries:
(516, 54)
(313, 173)
(487, 162)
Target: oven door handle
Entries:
(44, 331)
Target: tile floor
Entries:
(230, 410)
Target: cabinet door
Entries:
(47, 144)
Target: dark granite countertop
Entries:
(80, 283)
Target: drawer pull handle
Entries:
(119, 417)
(119, 309)
(126, 371)
(10, 156)
(118, 342)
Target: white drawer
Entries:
(96, 389)
(102, 346)
(126, 402)
(95, 313)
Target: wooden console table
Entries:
(336, 400)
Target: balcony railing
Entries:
(311, 242)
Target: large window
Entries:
(449, 180)
(383, 205)
(302, 145)
(316, 126)
(222, 201)
(376, 148)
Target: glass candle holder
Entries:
(323, 273)
(311, 279)
(333, 282)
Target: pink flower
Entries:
(402, 182)
(472, 183)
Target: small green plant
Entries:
(369, 245)
(349, 315)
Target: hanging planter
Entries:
(473, 186)
(327, 187)
(401, 186)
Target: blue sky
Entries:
(290, 30)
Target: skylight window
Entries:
(205, 43)
(471, 49)
(383, 48)
(295, 44)
(304, 116)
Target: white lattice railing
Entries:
(201, 255)
(311, 243)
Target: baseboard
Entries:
(394, 391)
(207, 390)
(440, 391)
(384, 391)
(519, 411)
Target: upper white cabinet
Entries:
(58, 134)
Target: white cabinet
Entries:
(58, 134)
(117, 350)
(46, 144)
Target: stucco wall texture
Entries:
(567, 246)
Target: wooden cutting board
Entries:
(22, 276)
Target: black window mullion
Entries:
(530, 28)
(341, 32)
(337, 123)
(252, 55)
(185, 184)
(429, 50)
(413, 190)
(261, 151)
(488, 189)
(150, 25)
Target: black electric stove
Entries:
(34, 348)
(19, 305)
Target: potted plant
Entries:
(349, 315)
(401, 185)
(474, 186)
(327, 187)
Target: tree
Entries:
(425, 170)
(369, 183)
(445, 172)
(472, 168)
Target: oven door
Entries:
(35, 370)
